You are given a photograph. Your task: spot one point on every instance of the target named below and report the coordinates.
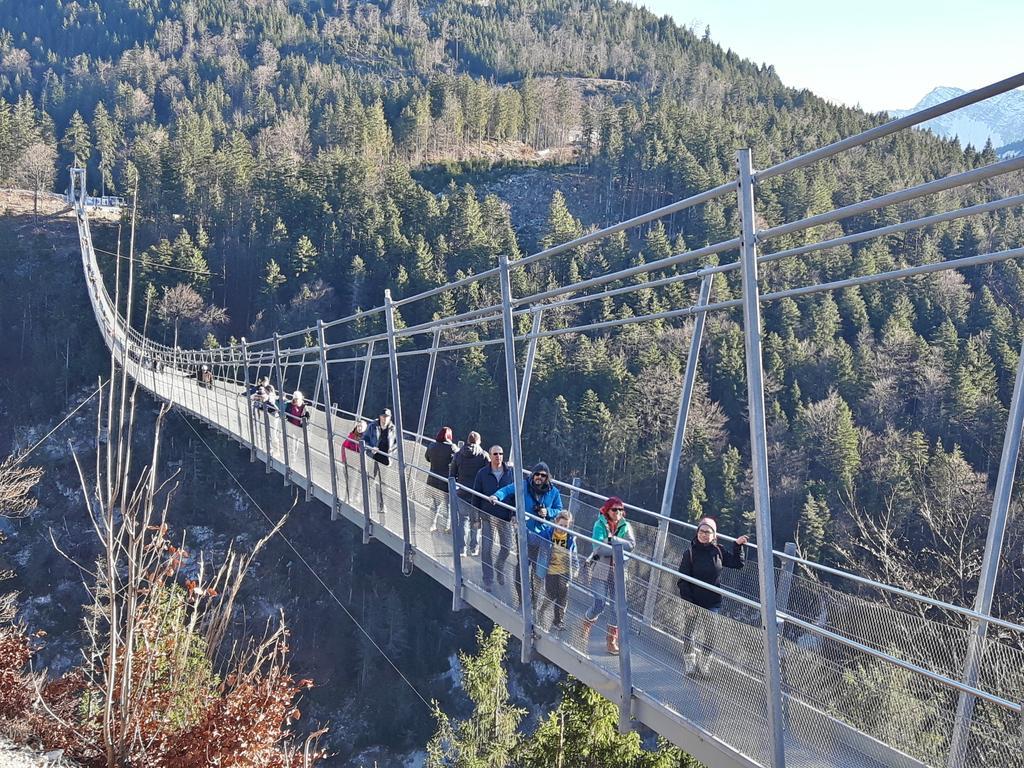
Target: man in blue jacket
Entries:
(540, 498)
(495, 520)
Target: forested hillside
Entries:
(298, 158)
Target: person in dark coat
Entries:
(704, 561)
(469, 460)
(439, 456)
(380, 440)
(496, 521)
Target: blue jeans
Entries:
(699, 628)
(602, 583)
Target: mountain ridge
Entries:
(999, 119)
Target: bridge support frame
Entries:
(282, 416)
(622, 619)
(676, 453)
(428, 384)
(396, 409)
(531, 355)
(361, 403)
(458, 603)
(759, 459)
(367, 522)
(325, 384)
(248, 401)
(515, 431)
(989, 567)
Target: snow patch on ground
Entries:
(12, 756)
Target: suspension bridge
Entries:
(811, 665)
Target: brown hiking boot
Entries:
(588, 624)
(613, 640)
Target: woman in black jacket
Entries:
(439, 455)
(704, 561)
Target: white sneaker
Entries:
(704, 663)
(690, 663)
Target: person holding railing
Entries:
(494, 518)
(263, 396)
(704, 561)
(297, 412)
(469, 460)
(557, 565)
(353, 440)
(542, 500)
(610, 524)
(439, 455)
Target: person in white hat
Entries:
(704, 560)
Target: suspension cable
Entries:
(45, 437)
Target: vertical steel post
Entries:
(990, 566)
(785, 581)
(266, 435)
(531, 354)
(396, 408)
(456, 514)
(675, 456)
(515, 428)
(309, 464)
(366, 380)
(574, 498)
(759, 459)
(622, 619)
(283, 417)
(248, 401)
(325, 381)
(429, 384)
(367, 522)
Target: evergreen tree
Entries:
(698, 494)
(77, 140)
(489, 736)
(304, 257)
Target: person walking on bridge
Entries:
(380, 440)
(704, 561)
(610, 524)
(439, 456)
(494, 519)
(469, 460)
(542, 503)
(353, 441)
(557, 565)
(297, 412)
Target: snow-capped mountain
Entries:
(1000, 118)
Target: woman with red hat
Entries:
(704, 561)
(611, 523)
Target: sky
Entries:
(876, 54)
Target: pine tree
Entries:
(107, 138)
(78, 141)
(489, 736)
(698, 494)
(812, 527)
(273, 279)
(582, 732)
(303, 258)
